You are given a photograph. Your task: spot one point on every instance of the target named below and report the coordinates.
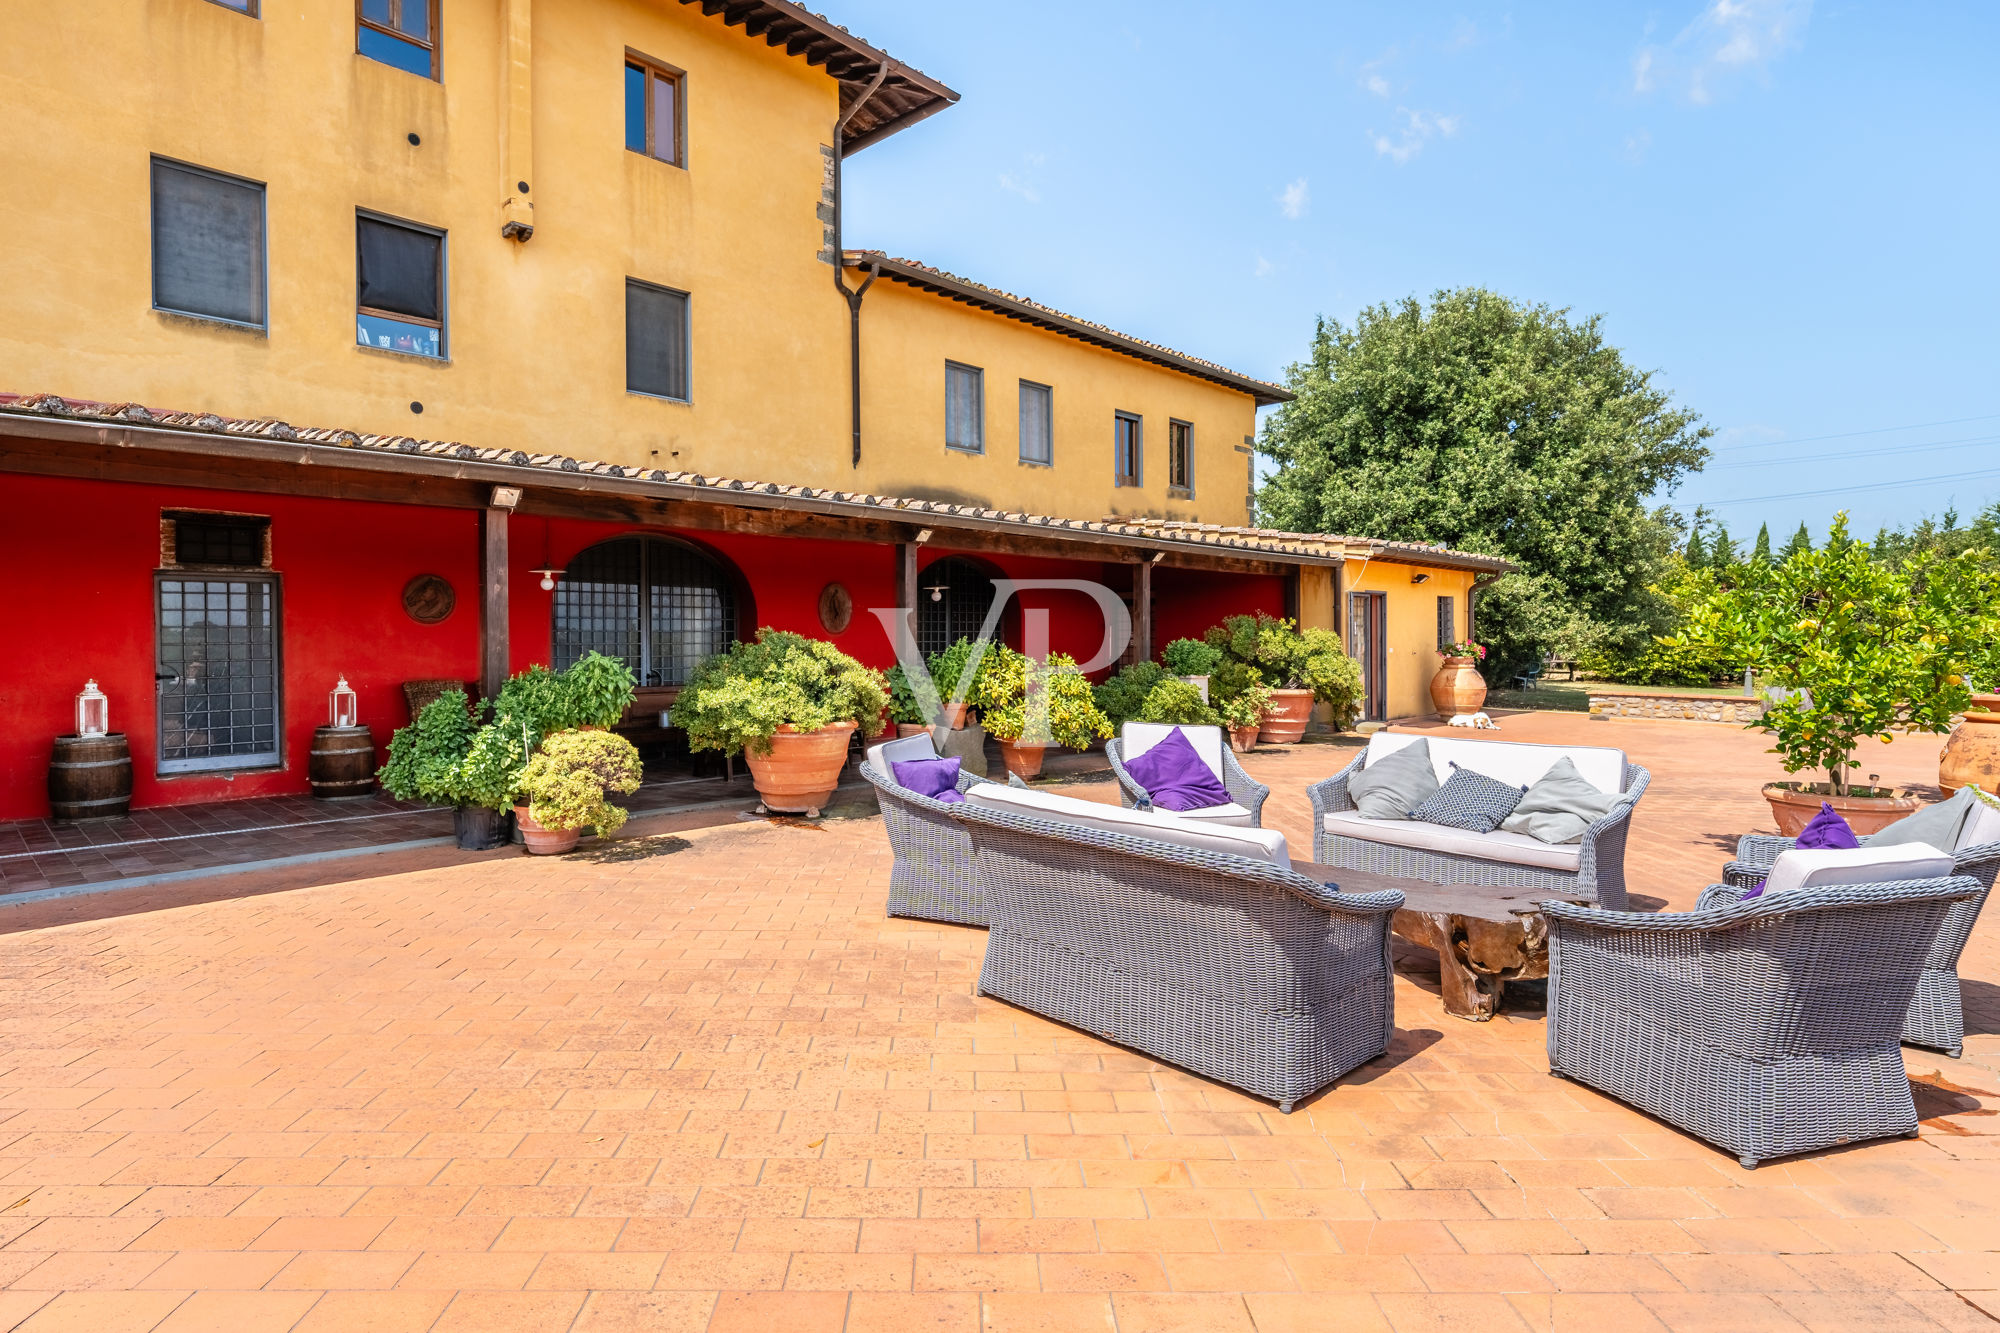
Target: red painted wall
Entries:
(1187, 601)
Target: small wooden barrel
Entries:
(90, 777)
(343, 763)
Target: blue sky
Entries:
(1785, 208)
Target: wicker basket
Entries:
(421, 693)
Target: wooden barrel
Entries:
(90, 777)
(343, 763)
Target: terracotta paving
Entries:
(698, 1081)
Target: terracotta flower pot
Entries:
(1458, 687)
(1972, 755)
(1285, 724)
(955, 715)
(799, 774)
(1023, 761)
(1243, 739)
(544, 841)
(1793, 804)
(911, 729)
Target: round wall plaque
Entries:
(428, 598)
(836, 608)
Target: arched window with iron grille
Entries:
(660, 605)
(954, 596)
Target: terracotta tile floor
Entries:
(703, 1083)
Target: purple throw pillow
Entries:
(1827, 829)
(935, 778)
(1175, 777)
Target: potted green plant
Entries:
(948, 670)
(1122, 696)
(1176, 702)
(1192, 660)
(1028, 706)
(1301, 667)
(594, 691)
(1857, 648)
(566, 786)
(788, 704)
(904, 710)
(1242, 714)
(1458, 687)
(426, 760)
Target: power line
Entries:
(1848, 435)
(1857, 453)
(1844, 490)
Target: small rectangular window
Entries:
(1128, 450)
(652, 110)
(208, 244)
(964, 407)
(240, 6)
(402, 33)
(1447, 622)
(399, 280)
(1038, 443)
(1180, 457)
(656, 340)
(233, 540)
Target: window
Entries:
(658, 605)
(964, 407)
(1447, 622)
(399, 280)
(217, 663)
(1128, 444)
(954, 597)
(402, 33)
(653, 110)
(1180, 457)
(656, 340)
(208, 244)
(217, 539)
(1038, 443)
(240, 6)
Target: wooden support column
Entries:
(1292, 594)
(1142, 611)
(906, 582)
(1339, 573)
(493, 602)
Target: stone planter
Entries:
(544, 841)
(1972, 755)
(1200, 684)
(1285, 724)
(1458, 687)
(799, 774)
(1793, 804)
(478, 828)
(1023, 761)
(1243, 739)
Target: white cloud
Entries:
(1022, 181)
(1418, 128)
(1264, 268)
(1376, 84)
(1294, 199)
(1728, 39)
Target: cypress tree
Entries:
(1801, 541)
(1696, 554)
(1721, 550)
(1761, 553)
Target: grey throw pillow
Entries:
(1559, 807)
(1939, 825)
(1470, 801)
(1392, 785)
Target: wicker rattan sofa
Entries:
(1765, 1027)
(1234, 967)
(1246, 794)
(931, 877)
(1591, 871)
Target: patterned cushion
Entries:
(1469, 800)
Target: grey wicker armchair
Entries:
(1766, 1027)
(931, 878)
(1937, 1012)
(1243, 789)
(1599, 876)
(1240, 970)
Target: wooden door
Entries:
(1368, 645)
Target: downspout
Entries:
(852, 295)
(1472, 604)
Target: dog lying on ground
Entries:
(1477, 721)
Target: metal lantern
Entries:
(93, 711)
(342, 708)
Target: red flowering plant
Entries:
(1466, 649)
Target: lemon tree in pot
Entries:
(568, 783)
(1858, 650)
(788, 704)
(1028, 706)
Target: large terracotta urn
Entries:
(1458, 687)
(1793, 804)
(799, 774)
(1023, 761)
(1285, 724)
(1972, 755)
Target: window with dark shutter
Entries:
(656, 340)
(964, 407)
(208, 244)
(1447, 622)
(1180, 457)
(1037, 423)
(399, 286)
(1128, 458)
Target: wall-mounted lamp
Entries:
(923, 535)
(1420, 578)
(505, 497)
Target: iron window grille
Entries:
(658, 605)
(954, 596)
(219, 540)
(964, 407)
(217, 672)
(1447, 622)
(1180, 457)
(402, 33)
(208, 245)
(654, 111)
(1128, 446)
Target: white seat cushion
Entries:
(1824, 867)
(1220, 814)
(1139, 737)
(1516, 763)
(1159, 825)
(1514, 848)
(901, 750)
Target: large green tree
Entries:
(1488, 425)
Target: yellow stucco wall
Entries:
(1411, 613)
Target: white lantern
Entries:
(342, 708)
(93, 711)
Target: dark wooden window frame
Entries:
(444, 285)
(1048, 389)
(263, 258)
(979, 388)
(678, 77)
(247, 8)
(1180, 461)
(1137, 476)
(434, 44)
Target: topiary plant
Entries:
(739, 698)
(570, 777)
(1026, 703)
(424, 756)
(1175, 701)
(1191, 657)
(1121, 697)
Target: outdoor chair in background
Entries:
(1247, 795)
(931, 877)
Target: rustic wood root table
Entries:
(1484, 935)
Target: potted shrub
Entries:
(1458, 687)
(426, 761)
(1243, 714)
(1192, 660)
(566, 785)
(1122, 696)
(594, 691)
(948, 671)
(904, 710)
(1029, 706)
(1858, 649)
(1301, 667)
(1176, 702)
(788, 704)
